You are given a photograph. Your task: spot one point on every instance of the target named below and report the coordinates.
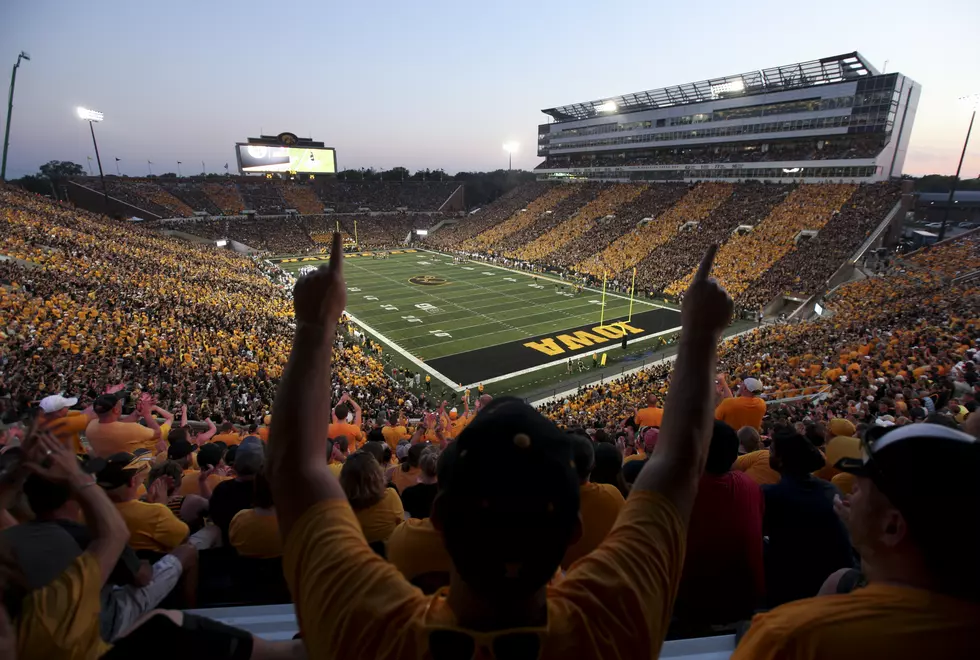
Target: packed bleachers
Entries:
(811, 262)
(196, 340)
(262, 196)
(345, 196)
(453, 236)
(746, 256)
(225, 196)
(301, 197)
(581, 197)
(145, 194)
(191, 194)
(628, 250)
(520, 219)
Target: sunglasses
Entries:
(452, 643)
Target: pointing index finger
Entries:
(337, 253)
(704, 270)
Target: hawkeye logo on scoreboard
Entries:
(428, 280)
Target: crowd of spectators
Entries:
(633, 518)
(225, 196)
(554, 238)
(147, 195)
(745, 257)
(583, 194)
(748, 204)
(787, 150)
(805, 269)
(628, 250)
(346, 196)
(191, 194)
(452, 236)
(488, 240)
(299, 197)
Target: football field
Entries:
(472, 323)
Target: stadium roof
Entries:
(839, 68)
(965, 197)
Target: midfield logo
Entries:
(428, 280)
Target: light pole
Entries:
(10, 110)
(510, 148)
(973, 100)
(92, 116)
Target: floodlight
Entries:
(608, 106)
(89, 115)
(792, 170)
(510, 147)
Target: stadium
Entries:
(178, 310)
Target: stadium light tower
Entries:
(10, 109)
(510, 148)
(92, 116)
(973, 100)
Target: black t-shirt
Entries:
(417, 499)
(230, 497)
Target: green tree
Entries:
(58, 171)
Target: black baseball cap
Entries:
(119, 469)
(894, 459)
(106, 402)
(179, 448)
(508, 498)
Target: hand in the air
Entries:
(707, 307)
(319, 297)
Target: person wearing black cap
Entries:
(152, 526)
(110, 435)
(916, 530)
(507, 509)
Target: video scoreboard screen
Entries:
(271, 158)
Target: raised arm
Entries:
(207, 435)
(723, 389)
(357, 411)
(168, 417)
(51, 461)
(298, 471)
(183, 414)
(678, 461)
(145, 411)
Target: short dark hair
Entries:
(584, 455)
(341, 411)
(414, 454)
(45, 496)
(230, 455)
(226, 427)
(210, 455)
(723, 449)
(342, 443)
(376, 449)
(794, 454)
(166, 469)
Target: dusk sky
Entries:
(433, 83)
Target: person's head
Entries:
(392, 419)
(180, 450)
(376, 435)
(121, 476)
(56, 406)
(749, 439)
(750, 387)
(815, 433)
(723, 449)
(250, 457)
(363, 480)
(650, 438)
(839, 427)
(791, 454)
(428, 464)
(49, 500)
(210, 455)
(508, 503)
(584, 455)
(608, 467)
(376, 449)
(166, 469)
(652, 400)
(108, 407)
(414, 454)
(341, 411)
(917, 525)
(342, 444)
(401, 451)
(227, 427)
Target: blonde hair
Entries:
(363, 480)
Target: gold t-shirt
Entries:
(416, 548)
(380, 520)
(617, 598)
(152, 526)
(255, 534)
(60, 621)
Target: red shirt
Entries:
(724, 577)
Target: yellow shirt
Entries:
(335, 468)
(403, 479)
(355, 437)
(190, 485)
(395, 434)
(756, 465)
(739, 411)
(618, 597)
(599, 505)
(230, 438)
(255, 534)
(67, 428)
(115, 437)
(61, 620)
(877, 621)
(152, 526)
(641, 456)
(845, 482)
(416, 548)
(649, 416)
(380, 520)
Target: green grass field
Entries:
(471, 322)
